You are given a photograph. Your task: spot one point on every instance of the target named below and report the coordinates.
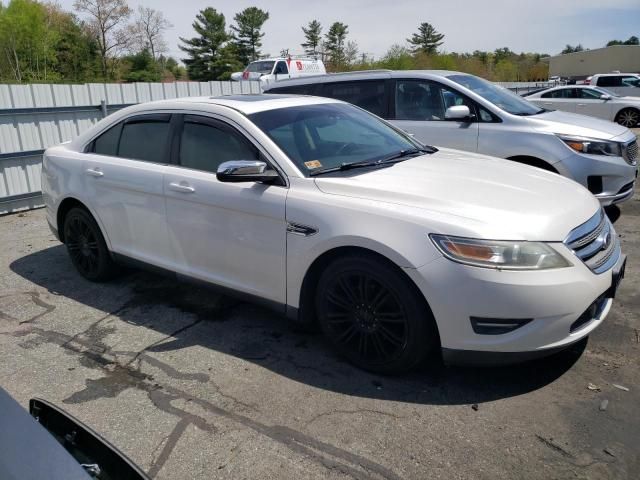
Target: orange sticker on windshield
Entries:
(311, 164)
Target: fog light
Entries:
(497, 326)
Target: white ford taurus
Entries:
(331, 215)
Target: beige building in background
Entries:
(623, 58)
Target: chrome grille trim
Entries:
(596, 243)
(630, 152)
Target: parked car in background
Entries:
(458, 110)
(331, 215)
(592, 101)
(625, 84)
(271, 70)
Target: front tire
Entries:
(373, 315)
(629, 117)
(86, 246)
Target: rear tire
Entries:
(86, 246)
(629, 117)
(373, 315)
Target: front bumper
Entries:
(610, 179)
(553, 300)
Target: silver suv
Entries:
(457, 110)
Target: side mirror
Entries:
(605, 97)
(459, 113)
(237, 171)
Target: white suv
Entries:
(458, 110)
(624, 84)
(332, 216)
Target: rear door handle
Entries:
(94, 172)
(181, 187)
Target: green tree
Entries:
(149, 29)
(204, 60)
(108, 22)
(247, 33)
(633, 40)
(427, 40)
(77, 57)
(313, 37)
(334, 44)
(141, 67)
(572, 49)
(27, 43)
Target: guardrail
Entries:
(35, 117)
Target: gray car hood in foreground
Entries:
(474, 194)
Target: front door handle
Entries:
(181, 187)
(94, 172)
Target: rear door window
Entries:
(561, 93)
(368, 94)
(145, 138)
(107, 143)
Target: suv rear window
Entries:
(610, 81)
(365, 94)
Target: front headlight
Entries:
(502, 255)
(592, 146)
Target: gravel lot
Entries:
(194, 386)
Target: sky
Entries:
(543, 26)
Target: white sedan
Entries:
(592, 101)
(330, 215)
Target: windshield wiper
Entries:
(391, 159)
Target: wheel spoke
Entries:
(344, 285)
(339, 301)
(347, 334)
(390, 336)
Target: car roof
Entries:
(363, 75)
(243, 103)
(615, 74)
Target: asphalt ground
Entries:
(191, 385)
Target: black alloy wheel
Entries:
(86, 246)
(373, 315)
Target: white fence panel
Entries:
(34, 117)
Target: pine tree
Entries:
(205, 61)
(427, 40)
(334, 44)
(247, 34)
(313, 37)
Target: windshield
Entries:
(499, 96)
(261, 67)
(331, 135)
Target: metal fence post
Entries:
(103, 108)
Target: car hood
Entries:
(461, 193)
(567, 123)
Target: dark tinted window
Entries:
(630, 82)
(281, 67)
(294, 89)
(561, 93)
(107, 143)
(588, 94)
(611, 81)
(368, 95)
(145, 140)
(205, 147)
(421, 100)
